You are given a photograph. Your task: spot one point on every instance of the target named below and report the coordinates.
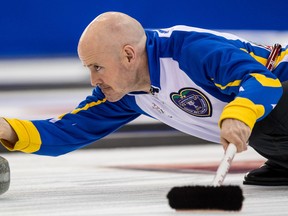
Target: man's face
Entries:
(109, 71)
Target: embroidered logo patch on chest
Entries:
(192, 101)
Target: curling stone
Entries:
(4, 175)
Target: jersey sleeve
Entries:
(250, 89)
(92, 120)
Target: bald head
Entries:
(113, 47)
(111, 31)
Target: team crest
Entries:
(192, 101)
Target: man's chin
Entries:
(113, 98)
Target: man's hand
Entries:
(234, 131)
(6, 132)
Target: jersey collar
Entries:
(153, 59)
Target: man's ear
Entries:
(129, 53)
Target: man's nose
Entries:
(95, 80)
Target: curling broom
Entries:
(214, 197)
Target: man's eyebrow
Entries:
(90, 65)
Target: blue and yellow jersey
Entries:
(198, 78)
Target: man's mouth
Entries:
(103, 87)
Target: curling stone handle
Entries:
(224, 165)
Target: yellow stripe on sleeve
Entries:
(260, 59)
(281, 57)
(89, 105)
(266, 81)
(86, 107)
(230, 84)
(244, 110)
(29, 139)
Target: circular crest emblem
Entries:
(192, 101)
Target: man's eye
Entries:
(97, 68)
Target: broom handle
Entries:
(224, 165)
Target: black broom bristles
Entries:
(227, 198)
(214, 197)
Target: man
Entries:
(208, 84)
